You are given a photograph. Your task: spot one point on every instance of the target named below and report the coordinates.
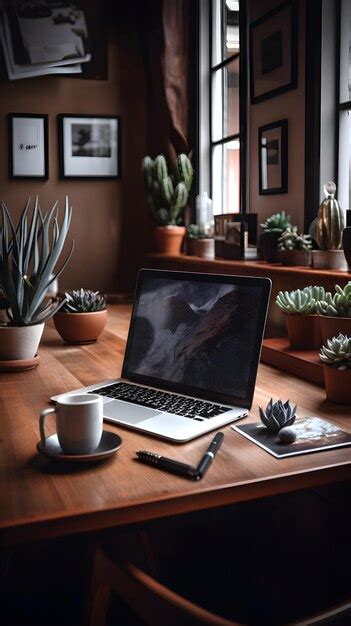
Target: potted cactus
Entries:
(167, 195)
(29, 253)
(327, 230)
(192, 235)
(335, 312)
(336, 357)
(273, 228)
(83, 316)
(300, 312)
(295, 249)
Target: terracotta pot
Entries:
(332, 326)
(296, 257)
(19, 342)
(169, 239)
(191, 246)
(303, 331)
(329, 259)
(205, 248)
(337, 384)
(269, 246)
(80, 327)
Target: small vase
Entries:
(302, 258)
(337, 384)
(329, 259)
(205, 248)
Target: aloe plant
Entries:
(167, 193)
(337, 352)
(84, 301)
(301, 301)
(337, 304)
(277, 223)
(29, 254)
(277, 415)
(291, 240)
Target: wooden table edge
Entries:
(164, 506)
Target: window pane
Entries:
(217, 47)
(226, 178)
(217, 105)
(231, 113)
(231, 28)
(345, 49)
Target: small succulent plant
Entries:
(277, 223)
(337, 352)
(337, 304)
(301, 301)
(193, 231)
(167, 193)
(278, 415)
(84, 301)
(291, 240)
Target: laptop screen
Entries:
(197, 333)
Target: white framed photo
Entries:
(28, 146)
(89, 146)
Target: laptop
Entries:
(192, 354)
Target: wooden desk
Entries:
(41, 499)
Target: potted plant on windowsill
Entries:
(192, 235)
(167, 195)
(273, 228)
(336, 358)
(302, 322)
(295, 249)
(29, 253)
(82, 317)
(335, 312)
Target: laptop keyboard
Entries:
(162, 400)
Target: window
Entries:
(344, 157)
(226, 128)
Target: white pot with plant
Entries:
(167, 194)
(82, 317)
(29, 253)
(336, 357)
(300, 312)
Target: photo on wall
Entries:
(28, 146)
(273, 158)
(274, 52)
(89, 147)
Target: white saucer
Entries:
(109, 444)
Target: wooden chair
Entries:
(157, 605)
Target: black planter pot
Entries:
(269, 246)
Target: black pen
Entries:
(175, 467)
(209, 456)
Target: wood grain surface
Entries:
(40, 498)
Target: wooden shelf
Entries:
(303, 363)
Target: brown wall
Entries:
(110, 223)
(291, 106)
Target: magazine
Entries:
(312, 435)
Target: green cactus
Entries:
(301, 301)
(338, 304)
(337, 352)
(277, 223)
(291, 240)
(167, 194)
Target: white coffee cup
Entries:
(78, 421)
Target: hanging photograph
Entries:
(273, 158)
(89, 146)
(28, 146)
(273, 52)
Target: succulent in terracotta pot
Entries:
(273, 228)
(335, 312)
(83, 316)
(295, 248)
(336, 357)
(277, 415)
(167, 194)
(302, 322)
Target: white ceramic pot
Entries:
(19, 342)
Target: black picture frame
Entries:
(280, 159)
(63, 165)
(12, 160)
(271, 53)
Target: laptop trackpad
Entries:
(128, 413)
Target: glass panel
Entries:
(226, 178)
(345, 51)
(217, 105)
(217, 32)
(231, 112)
(231, 28)
(217, 180)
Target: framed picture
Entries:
(273, 52)
(28, 146)
(89, 146)
(273, 158)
